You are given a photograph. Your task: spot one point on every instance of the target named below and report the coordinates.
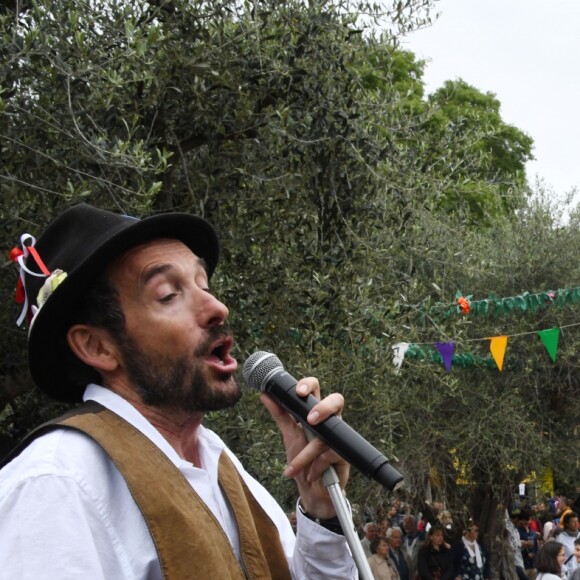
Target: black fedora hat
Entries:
(81, 242)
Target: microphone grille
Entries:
(258, 366)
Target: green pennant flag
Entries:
(550, 339)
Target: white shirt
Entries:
(66, 511)
(515, 541)
(567, 540)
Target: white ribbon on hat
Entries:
(23, 269)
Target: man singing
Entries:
(131, 484)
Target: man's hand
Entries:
(307, 461)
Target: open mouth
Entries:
(220, 352)
(220, 356)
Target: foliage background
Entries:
(348, 203)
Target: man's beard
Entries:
(179, 383)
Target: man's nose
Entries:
(213, 311)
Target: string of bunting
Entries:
(496, 306)
(444, 352)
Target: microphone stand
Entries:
(332, 483)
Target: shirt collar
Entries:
(125, 409)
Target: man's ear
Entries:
(93, 346)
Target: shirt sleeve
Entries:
(320, 554)
(50, 529)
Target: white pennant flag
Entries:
(399, 351)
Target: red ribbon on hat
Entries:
(18, 256)
(15, 253)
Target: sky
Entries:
(526, 52)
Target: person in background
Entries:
(568, 537)
(550, 561)
(565, 508)
(412, 542)
(550, 526)
(575, 575)
(398, 514)
(537, 520)
(529, 542)
(384, 526)
(438, 507)
(511, 524)
(379, 563)
(394, 514)
(395, 539)
(446, 519)
(434, 560)
(431, 513)
(553, 503)
(371, 531)
(470, 559)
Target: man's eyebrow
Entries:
(156, 271)
(163, 268)
(202, 263)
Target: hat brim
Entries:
(46, 354)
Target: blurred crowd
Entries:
(402, 545)
(433, 544)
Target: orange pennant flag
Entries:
(497, 348)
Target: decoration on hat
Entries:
(50, 285)
(18, 256)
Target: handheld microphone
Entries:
(264, 372)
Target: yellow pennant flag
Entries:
(497, 349)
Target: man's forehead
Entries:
(154, 251)
(157, 244)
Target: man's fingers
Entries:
(284, 420)
(331, 405)
(308, 461)
(314, 460)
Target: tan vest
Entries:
(189, 540)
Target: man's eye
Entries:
(168, 298)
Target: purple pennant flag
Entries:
(446, 350)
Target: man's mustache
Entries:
(214, 333)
